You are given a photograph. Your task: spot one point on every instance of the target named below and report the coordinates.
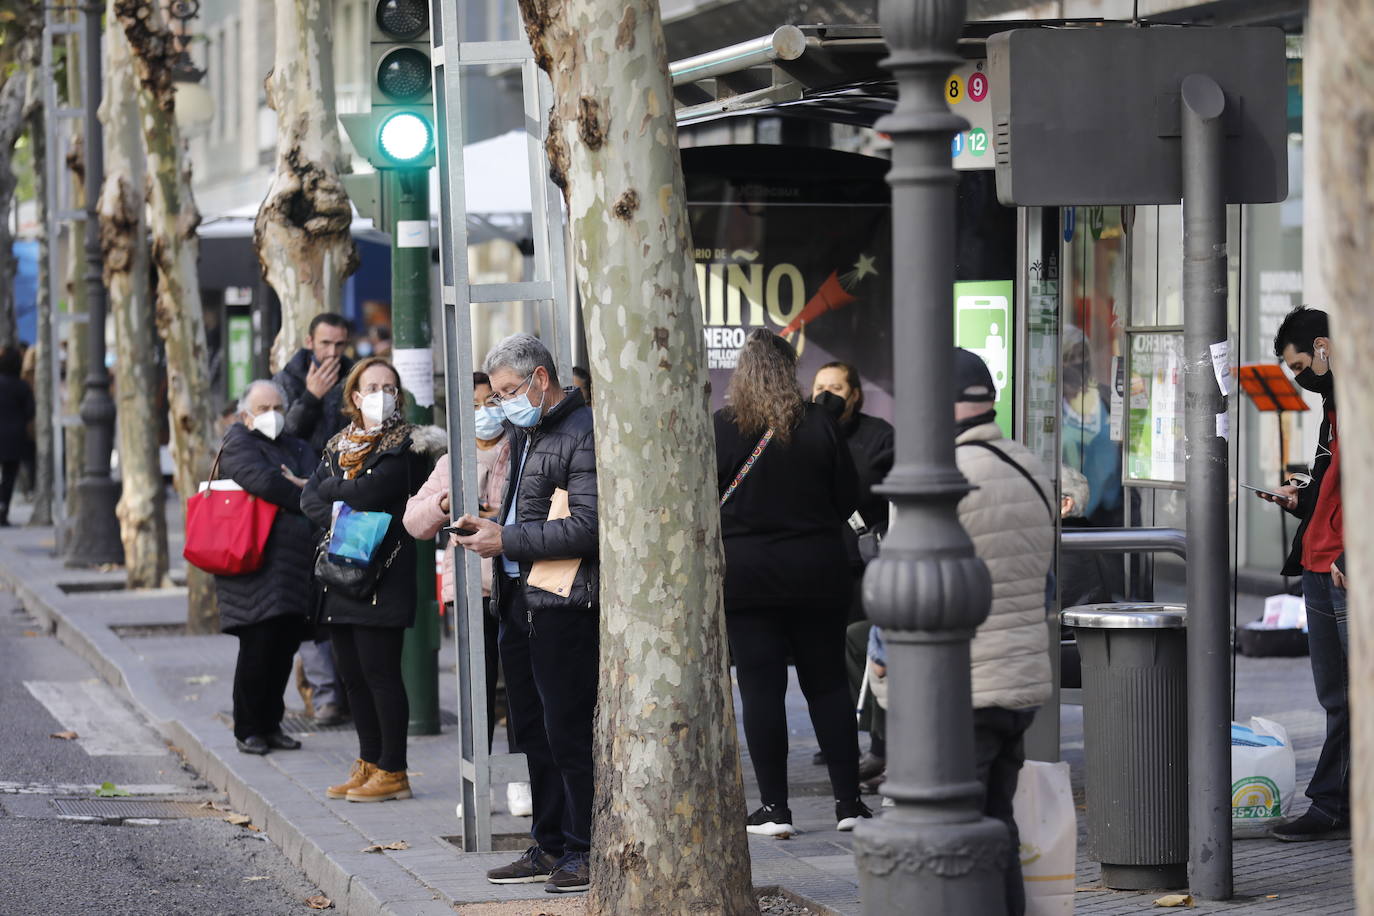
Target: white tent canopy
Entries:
(496, 185)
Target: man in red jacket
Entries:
(1318, 554)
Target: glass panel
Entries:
(1096, 271)
(1042, 336)
(1169, 275)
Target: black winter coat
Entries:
(313, 419)
(561, 454)
(871, 442)
(16, 410)
(281, 586)
(393, 471)
(784, 527)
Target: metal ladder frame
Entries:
(549, 290)
(60, 213)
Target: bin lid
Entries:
(1126, 616)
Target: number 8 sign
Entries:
(977, 87)
(954, 90)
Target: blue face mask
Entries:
(520, 411)
(489, 423)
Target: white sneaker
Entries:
(888, 802)
(518, 799)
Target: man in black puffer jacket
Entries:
(549, 612)
(313, 384)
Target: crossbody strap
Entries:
(748, 465)
(1020, 470)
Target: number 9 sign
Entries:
(954, 89)
(977, 87)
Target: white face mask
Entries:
(377, 406)
(270, 424)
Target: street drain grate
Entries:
(146, 630)
(117, 808)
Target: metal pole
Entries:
(95, 531)
(1208, 488)
(927, 589)
(406, 202)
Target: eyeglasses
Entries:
(385, 389)
(496, 399)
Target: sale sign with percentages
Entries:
(966, 91)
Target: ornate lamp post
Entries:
(928, 590)
(94, 533)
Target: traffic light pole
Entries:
(405, 202)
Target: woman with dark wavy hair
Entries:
(787, 485)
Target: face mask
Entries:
(1317, 384)
(831, 403)
(489, 423)
(269, 424)
(521, 412)
(377, 406)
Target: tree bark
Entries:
(668, 831)
(173, 221)
(302, 230)
(124, 245)
(42, 382)
(1341, 50)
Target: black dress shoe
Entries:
(281, 741)
(253, 744)
(818, 759)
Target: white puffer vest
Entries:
(1014, 535)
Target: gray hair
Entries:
(248, 391)
(521, 354)
(1075, 486)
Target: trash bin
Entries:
(1135, 740)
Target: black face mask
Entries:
(831, 403)
(1323, 385)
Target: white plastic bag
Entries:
(1047, 823)
(1263, 780)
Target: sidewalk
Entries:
(182, 684)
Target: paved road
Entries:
(50, 865)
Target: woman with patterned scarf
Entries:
(374, 465)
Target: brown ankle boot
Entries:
(362, 771)
(383, 786)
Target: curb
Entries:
(389, 890)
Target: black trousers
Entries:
(261, 672)
(551, 664)
(9, 473)
(999, 750)
(761, 640)
(368, 660)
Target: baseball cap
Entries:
(972, 380)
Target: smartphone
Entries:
(452, 530)
(1281, 497)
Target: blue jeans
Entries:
(1329, 642)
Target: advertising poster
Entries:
(796, 240)
(982, 325)
(1155, 450)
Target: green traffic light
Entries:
(405, 137)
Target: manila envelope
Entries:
(556, 575)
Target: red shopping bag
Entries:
(226, 528)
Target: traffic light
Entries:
(398, 133)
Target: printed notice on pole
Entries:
(412, 233)
(1221, 366)
(416, 368)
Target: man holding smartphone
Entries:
(1318, 555)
